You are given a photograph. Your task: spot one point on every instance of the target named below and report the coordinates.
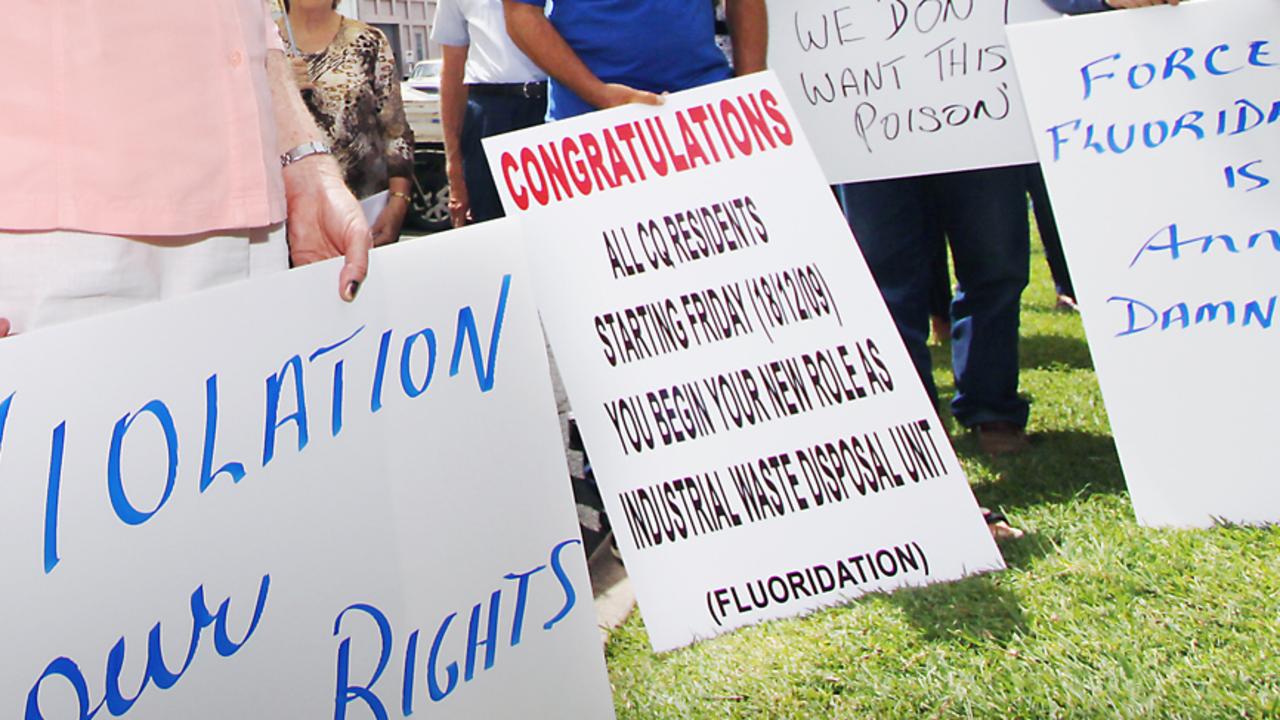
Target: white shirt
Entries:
(491, 57)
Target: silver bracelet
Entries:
(307, 149)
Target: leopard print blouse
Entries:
(356, 102)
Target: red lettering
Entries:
(539, 189)
(519, 195)
(780, 124)
(595, 161)
(620, 167)
(691, 145)
(577, 168)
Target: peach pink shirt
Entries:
(141, 117)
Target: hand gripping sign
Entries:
(260, 502)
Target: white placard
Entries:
(328, 469)
(763, 444)
(895, 88)
(1158, 134)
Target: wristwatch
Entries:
(307, 149)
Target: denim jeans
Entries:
(900, 224)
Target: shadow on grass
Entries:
(974, 611)
(1051, 352)
(1060, 466)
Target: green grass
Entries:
(1095, 617)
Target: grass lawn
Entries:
(1095, 617)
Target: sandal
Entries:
(999, 526)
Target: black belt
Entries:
(531, 90)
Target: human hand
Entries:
(5, 327)
(301, 75)
(386, 229)
(459, 201)
(326, 221)
(1123, 4)
(615, 94)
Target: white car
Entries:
(426, 76)
(429, 208)
(422, 111)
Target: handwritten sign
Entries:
(1158, 134)
(260, 502)
(894, 88)
(763, 443)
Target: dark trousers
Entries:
(1049, 231)
(489, 115)
(983, 213)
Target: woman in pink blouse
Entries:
(143, 145)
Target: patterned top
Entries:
(357, 104)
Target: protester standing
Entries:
(351, 85)
(487, 87)
(159, 177)
(900, 225)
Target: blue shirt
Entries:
(654, 45)
(1075, 7)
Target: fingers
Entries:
(356, 267)
(301, 74)
(616, 94)
(5, 327)
(647, 98)
(458, 212)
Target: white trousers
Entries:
(53, 277)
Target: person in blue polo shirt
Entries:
(604, 53)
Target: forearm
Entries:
(294, 124)
(453, 103)
(533, 33)
(749, 28)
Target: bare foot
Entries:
(941, 326)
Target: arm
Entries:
(533, 33)
(399, 148)
(749, 27)
(453, 107)
(324, 219)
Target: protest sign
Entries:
(261, 502)
(762, 441)
(1157, 130)
(894, 88)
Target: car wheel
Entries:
(429, 211)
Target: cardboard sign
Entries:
(1157, 130)
(261, 502)
(762, 441)
(895, 88)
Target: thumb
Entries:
(356, 266)
(648, 98)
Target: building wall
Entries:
(407, 24)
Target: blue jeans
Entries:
(486, 116)
(900, 225)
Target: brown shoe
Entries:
(1001, 438)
